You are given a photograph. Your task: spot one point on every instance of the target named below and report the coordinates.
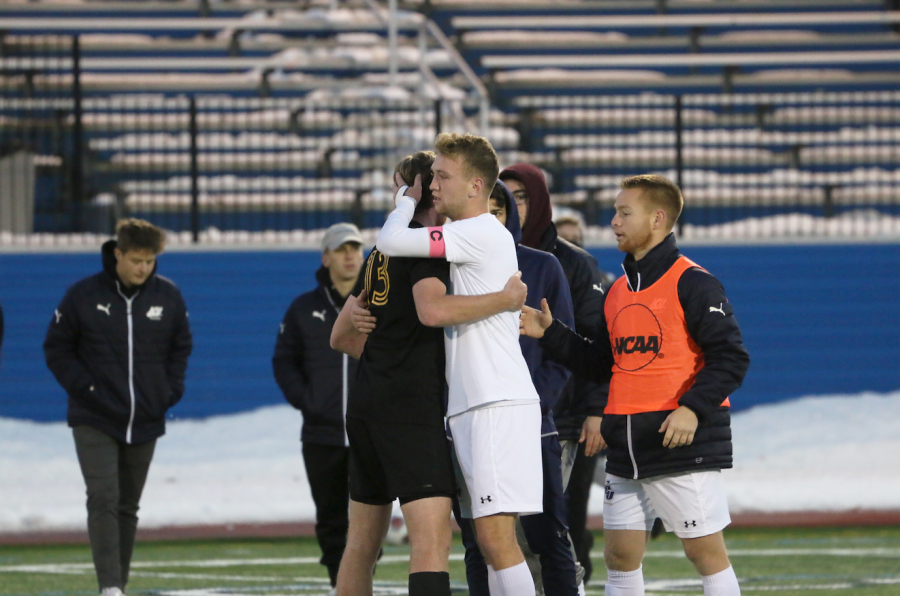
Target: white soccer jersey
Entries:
(484, 361)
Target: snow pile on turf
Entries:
(814, 453)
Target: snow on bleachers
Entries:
(776, 177)
(732, 137)
(346, 138)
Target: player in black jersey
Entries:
(395, 410)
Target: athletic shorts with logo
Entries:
(403, 461)
(498, 448)
(691, 504)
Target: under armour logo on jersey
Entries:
(692, 523)
(104, 308)
(598, 287)
(720, 309)
(486, 499)
(155, 313)
(58, 315)
(319, 314)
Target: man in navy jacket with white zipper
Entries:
(315, 379)
(119, 344)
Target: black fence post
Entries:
(437, 117)
(828, 201)
(77, 138)
(679, 154)
(195, 183)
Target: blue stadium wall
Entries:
(817, 319)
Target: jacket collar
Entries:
(324, 280)
(548, 239)
(646, 272)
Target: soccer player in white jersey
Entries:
(493, 410)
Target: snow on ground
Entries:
(815, 453)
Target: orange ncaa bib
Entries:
(656, 360)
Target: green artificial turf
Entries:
(787, 562)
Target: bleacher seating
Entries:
(786, 106)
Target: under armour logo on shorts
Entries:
(486, 499)
(690, 523)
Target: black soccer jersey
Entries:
(400, 377)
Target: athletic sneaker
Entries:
(112, 592)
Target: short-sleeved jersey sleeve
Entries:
(424, 268)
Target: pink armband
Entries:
(436, 243)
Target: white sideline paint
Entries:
(76, 568)
(247, 468)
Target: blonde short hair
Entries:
(477, 156)
(660, 192)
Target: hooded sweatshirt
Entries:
(587, 284)
(120, 354)
(545, 278)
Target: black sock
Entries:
(332, 574)
(429, 583)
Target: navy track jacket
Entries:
(121, 356)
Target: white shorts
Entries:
(498, 448)
(691, 504)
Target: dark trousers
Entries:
(578, 492)
(326, 469)
(114, 473)
(546, 534)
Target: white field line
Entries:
(889, 553)
(379, 589)
(69, 568)
(77, 568)
(678, 587)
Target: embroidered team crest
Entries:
(155, 313)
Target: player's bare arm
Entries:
(679, 427)
(344, 336)
(436, 308)
(534, 322)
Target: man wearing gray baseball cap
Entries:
(315, 379)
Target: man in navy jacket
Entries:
(315, 379)
(119, 344)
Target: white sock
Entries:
(512, 581)
(723, 583)
(625, 583)
(581, 589)
(493, 588)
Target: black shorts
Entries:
(391, 461)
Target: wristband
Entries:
(401, 194)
